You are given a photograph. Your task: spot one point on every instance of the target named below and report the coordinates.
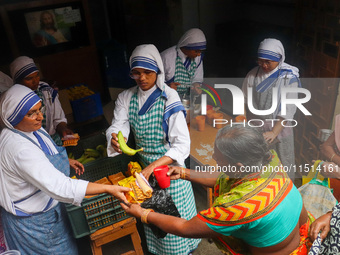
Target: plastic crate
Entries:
(102, 210)
(87, 108)
(90, 142)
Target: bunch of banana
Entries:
(90, 155)
(124, 147)
(102, 149)
(78, 92)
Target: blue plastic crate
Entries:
(87, 108)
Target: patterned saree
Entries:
(242, 201)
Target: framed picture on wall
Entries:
(49, 29)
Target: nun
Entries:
(157, 119)
(183, 63)
(34, 180)
(273, 74)
(24, 71)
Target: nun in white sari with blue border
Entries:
(271, 73)
(34, 179)
(157, 120)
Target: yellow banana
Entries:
(124, 147)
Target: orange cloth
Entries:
(305, 242)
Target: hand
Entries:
(196, 88)
(320, 224)
(269, 136)
(66, 132)
(77, 166)
(133, 209)
(174, 85)
(147, 171)
(115, 144)
(119, 192)
(174, 172)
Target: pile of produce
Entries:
(78, 92)
(91, 155)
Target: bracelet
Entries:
(144, 217)
(182, 174)
(332, 157)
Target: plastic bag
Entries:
(161, 202)
(317, 197)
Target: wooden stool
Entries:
(116, 231)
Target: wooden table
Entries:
(114, 232)
(202, 147)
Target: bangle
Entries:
(331, 158)
(182, 174)
(144, 217)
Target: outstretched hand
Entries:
(119, 192)
(133, 209)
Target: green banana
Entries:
(102, 149)
(124, 147)
(70, 155)
(82, 158)
(88, 160)
(92, 153)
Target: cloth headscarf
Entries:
(147, 56)
(15, 103)
(193, 39)
(272, 49)
(22, 67)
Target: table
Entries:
(114, 232)
(202, 147)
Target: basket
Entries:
(102, 210)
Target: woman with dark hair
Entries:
(259, 211)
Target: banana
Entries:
(102, 149)
(88, 160)
(92, 153)
(82, 158)
(124, 147)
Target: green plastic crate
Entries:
(89, 142)
(102, 210)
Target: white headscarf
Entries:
(272, 49)
(193, 39)
(147, 56)
(22, 67)
(15, 103)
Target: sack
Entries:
(317, 196)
